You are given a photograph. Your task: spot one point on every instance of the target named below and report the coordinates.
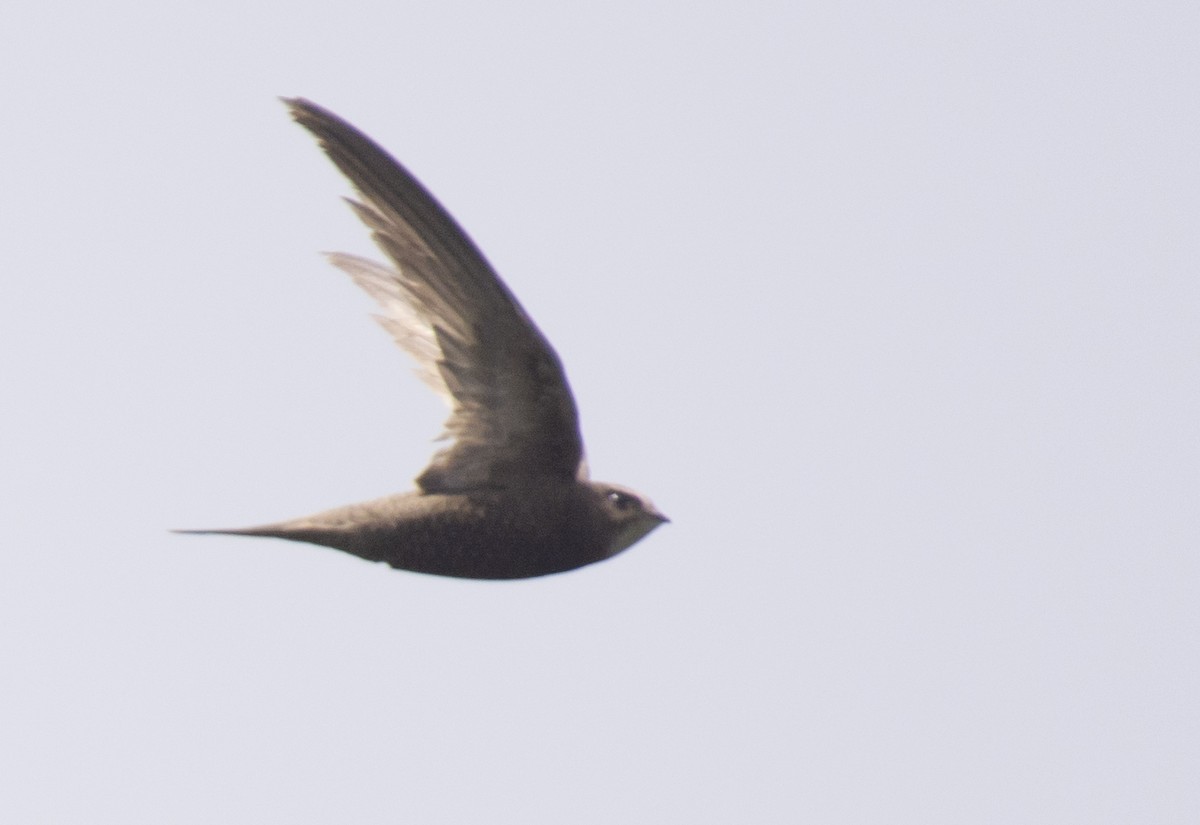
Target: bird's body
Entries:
(510, 497)
(489, 534)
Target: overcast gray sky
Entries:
(891, 307)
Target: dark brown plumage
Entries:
(509, 498)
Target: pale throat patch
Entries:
(630, 533)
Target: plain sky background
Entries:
(893, 308)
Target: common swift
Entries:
(509, 497)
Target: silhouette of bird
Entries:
(509, 498)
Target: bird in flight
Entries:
(510, 497)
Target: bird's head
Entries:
(628, 515)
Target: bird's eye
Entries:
(621, 501)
